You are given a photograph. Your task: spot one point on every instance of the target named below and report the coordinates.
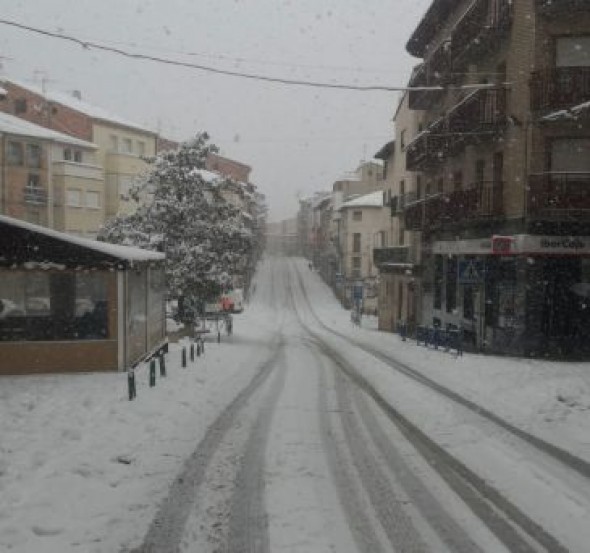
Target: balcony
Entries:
(479, 30)
(35, 195)
(429, 148)
(422, 99)
(395, 255)
(562, 7)
(480, 115)
(478, 203)
(559, 88)
(561, 196)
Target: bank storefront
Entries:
(521, 294)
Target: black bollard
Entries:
(192, 352)
(131, 384)
(183, 357)
(152, 372)
(198, 347)
(202, 346)
(162, 365)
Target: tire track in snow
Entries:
(248, 526)
(166, 529)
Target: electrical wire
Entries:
(210, 69)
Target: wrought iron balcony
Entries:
(478, 31)
(559, 88)
(562, 7)
(429, 147)
(559, 196)
(479, 202)
(422, 99)
(35, 195)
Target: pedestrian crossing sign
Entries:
(470, 271)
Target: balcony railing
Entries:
(481, 113)
(479, 202)
(399, 254)
(35, 195)
(479, 29)
(558, 195)
(422, 99)
(556, 7)
(430, 147)
(559, 88)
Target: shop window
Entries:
(438, 281)
(451, 284)
(15, 153)
(55, 306)
(34, 156)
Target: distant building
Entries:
(282, 238)
(228, 167)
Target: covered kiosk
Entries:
(72, 304)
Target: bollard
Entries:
(198, 347)
(192, 352)
(131, 384)
(183, 357)
(403, 331)
(162, 365)
(152, 372)
(202, 346)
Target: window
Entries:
(438, 280)
(127, 146)
(458, 180)
(357, 215)
(125, 185)
(67, 154)
(34, 156)
(573, 51)
(570, 155)
(20, 106)
(356, 242)
(451, 289)
(114, 143)
(34, 193)
(418, 187)
(402, 140)
(93, 199)
(468, 306)
(140, 148)
(77, 156)
(356, 267)
(74, 197)
(14, 153)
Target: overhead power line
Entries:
(87, 44)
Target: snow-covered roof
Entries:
(374, 199)
(10, 124)
(71, 101)
(124, 253)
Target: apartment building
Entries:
(361, 231)
(503, 205)
(399, 259)
(121, 144)
(50, 178)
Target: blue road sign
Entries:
(470, 271)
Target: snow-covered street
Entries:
(300, 433)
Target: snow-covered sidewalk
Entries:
(548, 398)
(84, 469)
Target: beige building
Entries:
(120, 144)
(362, 221)
(50, 178)
(399, 259)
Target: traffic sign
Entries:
(471, 271)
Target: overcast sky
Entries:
(296, 139)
